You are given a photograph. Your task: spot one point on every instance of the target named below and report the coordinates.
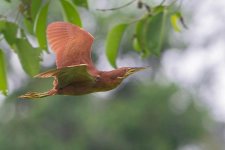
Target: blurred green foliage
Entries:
(3, 78)
(70, 13)
(29, 56)
(82, 3)
(142, 119)
(113, 41)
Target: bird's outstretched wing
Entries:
(71, 44)
(68, 75)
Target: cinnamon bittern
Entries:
(76, 73)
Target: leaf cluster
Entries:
(150, 34)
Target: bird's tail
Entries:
(31, 95)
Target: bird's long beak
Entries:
(132, 70)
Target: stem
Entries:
(138, 19)
(111, 9)
(147, 7)
(162, 2)
(173, 2)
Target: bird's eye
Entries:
(97, 78)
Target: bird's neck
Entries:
(107, 80)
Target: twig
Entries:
(173, 2)
(163, 1)
(138, 19)
(111, 9)
(1, 37)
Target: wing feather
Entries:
(71, 44)
(68, 75)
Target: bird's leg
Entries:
(55, 83)
(31, 95)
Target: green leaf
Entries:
(136, 45)
(70, 13)
(158, 9)
(151, 31)
(29, 56)
(2, 25)
(82, 3)
(3, 78)
(140, 34)
(113, 42)
(154, 32)
(35, 6)
(29, 25)
(9, 30)
(174, 19)
(40, 25)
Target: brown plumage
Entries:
(76, 73)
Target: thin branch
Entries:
(147, 7)
(173, 2)
(163, 1)
(111, 9)
(137, 19)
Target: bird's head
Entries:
(113, 78)
(124, 72)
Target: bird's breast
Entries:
(86, 88)
(77, 88)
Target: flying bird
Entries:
(76, 73)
